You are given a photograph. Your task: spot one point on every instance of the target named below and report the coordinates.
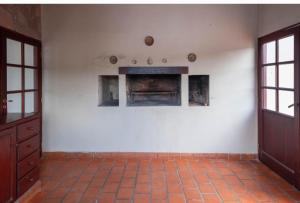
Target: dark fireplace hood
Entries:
(173, 70)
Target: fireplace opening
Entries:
(153, 90)
(108, 90)
(198, 90)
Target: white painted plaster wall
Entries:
(77, 41)
(276, 17)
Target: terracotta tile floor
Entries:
(173, 181)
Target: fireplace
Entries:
(153, 86)
(153, 90)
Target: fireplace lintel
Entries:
(154, 70)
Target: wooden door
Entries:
(7, 165)
(278, 111)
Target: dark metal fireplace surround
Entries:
(153, 86)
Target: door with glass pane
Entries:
(21, 69)
(278, 75)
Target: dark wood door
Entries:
(278, 82)
(7, 165)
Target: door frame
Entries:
(293, 29)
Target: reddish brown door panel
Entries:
(28, 129)
(27, 181)
(27, 147)
(280, 142)
(28, 164)
(7, 165)
(288, 173)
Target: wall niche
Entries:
(199, 90)
(108, 90)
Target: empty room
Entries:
(172, 102)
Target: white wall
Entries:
(275, 17)
(77, 41)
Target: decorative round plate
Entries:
(149, 40)
(134, 61)
(113, 59)
(192, 57)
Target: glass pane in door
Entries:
(13, 48)
(29, 102)
(14, 102)
(30, 78)
(269, 96)
(30, 55)
(286, 101)
(286, 49)
(269, 76)
(269, 52)
(14, 78)
(286, 76)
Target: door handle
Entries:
(295, 104)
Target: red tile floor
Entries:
(161, 180)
